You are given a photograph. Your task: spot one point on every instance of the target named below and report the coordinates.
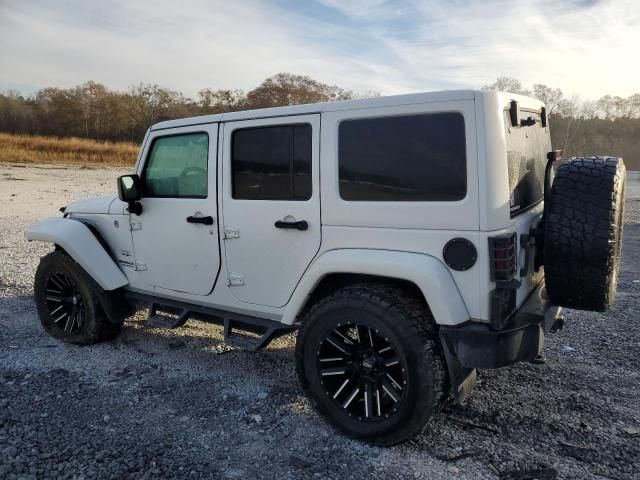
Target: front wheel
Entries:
(67, 304)
(369, 359)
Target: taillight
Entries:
(503, 257)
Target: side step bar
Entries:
(164, 320)
(256, 336)
(243, 331)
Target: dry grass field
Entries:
(74, 151)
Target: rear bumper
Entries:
(477, 345)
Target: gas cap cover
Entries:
(459, 254)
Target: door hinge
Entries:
(135, 226)
(235, 280)
(140, 266)
(230, 232)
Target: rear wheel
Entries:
(67, 304)
(369, 359)
(583, 232)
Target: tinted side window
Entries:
(272, 163)
(404, 158)
(177, 167)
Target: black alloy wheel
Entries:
(68, 303)
(64, 303)
(362, 372)
(369, 358)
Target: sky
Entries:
(586, 47)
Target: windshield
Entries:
(527, 148)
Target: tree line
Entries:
(93, 111)
(609, 125)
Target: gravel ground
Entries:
(159, 403)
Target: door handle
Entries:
(202, 220)
(301, 225)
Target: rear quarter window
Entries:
(403, 158)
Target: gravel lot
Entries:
(180, 403)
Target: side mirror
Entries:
(129, 188)
(129, 191)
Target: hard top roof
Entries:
(427, 97)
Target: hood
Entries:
(92, 205)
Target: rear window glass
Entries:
(403, 158)
(527, 149)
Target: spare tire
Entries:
(583, 232)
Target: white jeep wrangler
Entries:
(407, 238)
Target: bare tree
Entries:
(290, 89)
(217, 101)
(551, 97)
(619, 107)
(507, 84)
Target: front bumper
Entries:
(478, 345)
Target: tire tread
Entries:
(583, 232)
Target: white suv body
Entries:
(243, 264)
(282, 216)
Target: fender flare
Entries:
(80, 243)
(430, 275)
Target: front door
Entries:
(176, 237)
(271, 205)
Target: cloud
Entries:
(378, 10)
(585, 47)
(569, 44)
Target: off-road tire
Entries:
(583, 232)
(409, 326)
(95, 326)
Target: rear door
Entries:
(176, 237)
(271, 205)
(527, 146)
